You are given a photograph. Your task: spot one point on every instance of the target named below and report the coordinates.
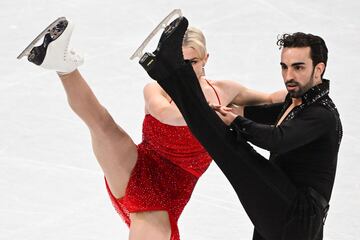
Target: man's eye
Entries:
(193, 62)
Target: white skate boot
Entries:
(54, 52)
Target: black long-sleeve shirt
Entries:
(305, 145)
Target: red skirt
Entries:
(155, 183)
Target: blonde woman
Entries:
(150, 183)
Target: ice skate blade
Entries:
(27, 50)
(139, 52)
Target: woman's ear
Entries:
(205, 59)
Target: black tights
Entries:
(266, 193)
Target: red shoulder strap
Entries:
(217, 95)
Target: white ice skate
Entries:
(54, 52)
(162, 25)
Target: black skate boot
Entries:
(168, 55)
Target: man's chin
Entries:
(295, 94)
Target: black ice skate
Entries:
(168, 54)
(162, 25)
(53, 53)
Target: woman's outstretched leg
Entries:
(114, 149)
(150, 225)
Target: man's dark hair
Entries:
(318, 52)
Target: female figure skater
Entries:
(149, 184)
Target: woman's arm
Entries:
(258, 106)
(278, 96)
(158, 104)
(245, 96)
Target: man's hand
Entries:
(225, 113)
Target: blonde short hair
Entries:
(195, 39)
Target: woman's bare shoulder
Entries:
(153, 87)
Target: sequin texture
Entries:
(170, 161)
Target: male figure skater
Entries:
(286, 197)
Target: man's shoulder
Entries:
(327, 106)
(324, 110)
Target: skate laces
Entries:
(74, 56)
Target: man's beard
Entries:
(301, 89)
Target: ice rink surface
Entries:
(51, 186)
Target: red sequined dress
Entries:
(170, 161)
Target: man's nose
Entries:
(289, 75)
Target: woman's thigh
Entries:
(117, 156)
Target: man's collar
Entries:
(314, 93)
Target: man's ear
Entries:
(319, 70)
